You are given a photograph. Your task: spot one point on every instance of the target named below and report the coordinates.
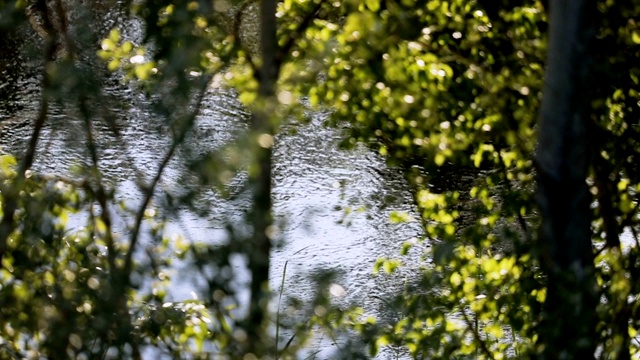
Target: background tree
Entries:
(568, 324)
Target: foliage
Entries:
(454, 88)
(58, 286)
(449, 91)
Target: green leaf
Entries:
(373, 5)
(397, 217)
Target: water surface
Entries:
(314, 184)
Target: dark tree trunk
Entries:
(567, 330)
(259, 342)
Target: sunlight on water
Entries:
(315, 185)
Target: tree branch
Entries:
(11, 192)
(476, 336)
(150, 189)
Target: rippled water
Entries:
(314, 182)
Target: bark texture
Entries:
(567, 330)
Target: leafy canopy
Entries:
(446, 90)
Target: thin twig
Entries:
(476, 335)
(284, 276)
(100, 192)
(521, 221)
(313, 356)
(628, 221)
(177, 141)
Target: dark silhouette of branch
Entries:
(149, 190)
(99, 192)
(521, 220)
(64, 30)
(476, 336)
(11, 193)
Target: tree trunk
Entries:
(259, 342)
(567, 329)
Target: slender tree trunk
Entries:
(259, 343)
(567, 330)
